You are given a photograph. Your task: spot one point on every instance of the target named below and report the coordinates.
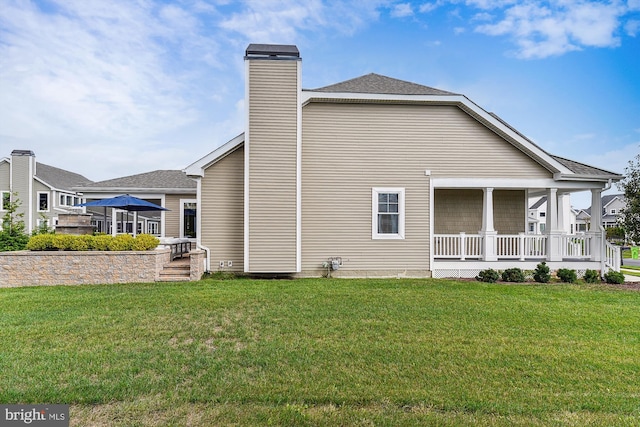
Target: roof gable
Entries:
(376, 83)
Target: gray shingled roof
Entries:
(59, 178)
(375, 83)
(582, 169)
(609, 197)
(539, 203)
(155, 179)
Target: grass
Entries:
(325, 352)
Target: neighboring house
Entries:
(171, 189)
(612, 206)
(380, 177)
(583, 220)
(538, 212)
(43, 191)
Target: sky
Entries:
(110, 88)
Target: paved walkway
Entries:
(628, 278)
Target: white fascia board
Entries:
(197, 168)
(153, 192)
(511, 183)
(577, 177)
(462, 101)
(143, 194)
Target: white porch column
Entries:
(114, 222)
(488, 232)
(554, 252)
(596, 232)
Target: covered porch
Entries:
(501, 240)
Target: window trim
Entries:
(2, 196)
(375, 191)
(48, 201)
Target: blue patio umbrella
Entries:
(124, 202)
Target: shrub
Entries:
(122, 242)
(541, 274)
(145, 242)
(614, 277)
(513, 275)
(82, 243)
(591, 276)
(489, 276)
(101, 242)
(40, 242)
(62, 242)
(567, 275)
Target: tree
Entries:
(13, 236)
(630, 185)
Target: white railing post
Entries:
(521, 246)
(463, 245)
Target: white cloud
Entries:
(632, 27)
(540, 29)
(402, 10)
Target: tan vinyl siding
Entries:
(22, 183)
(509, 211)
(172, 216)
(5, 175)
(458, 211)
(222, 211)
(273, 103)
(445, 139)
(350, 148)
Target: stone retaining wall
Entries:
(26, 268)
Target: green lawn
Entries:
(325, 352)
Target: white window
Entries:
(6, 200)
(387, 205)
(613, 211)
(43, 201)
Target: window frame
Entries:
(4, 194)
(375, 192)
(40, 193)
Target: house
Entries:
(43, 191)
(612, 206)
(376, 176)
(538, 211)
(171, 189)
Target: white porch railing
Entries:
(521, 246)
(612, 257)
(458, 246)
(511, 246)
(572, 246)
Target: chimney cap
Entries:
(272, 50)
(22, 153)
